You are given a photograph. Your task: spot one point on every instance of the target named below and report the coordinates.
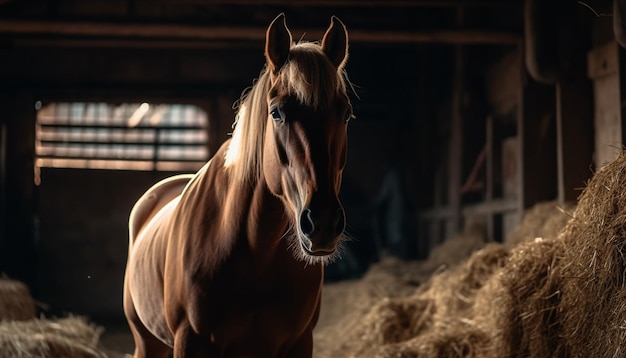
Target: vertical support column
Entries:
(221, 118)
(622, 93)
(489, 179)
(455, 151)
(536, 148)
(574, 107)
(604, 71)
(18, 250)
(574, 142)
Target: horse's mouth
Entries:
(319, 253)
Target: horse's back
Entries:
(154, 200)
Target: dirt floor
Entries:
(117, 340)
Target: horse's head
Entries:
(306, 132)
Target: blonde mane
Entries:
(308, 75)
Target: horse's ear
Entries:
(335, 42)
(277, 43)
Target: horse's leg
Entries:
(187, 344)
(146, 345)
(303, 347)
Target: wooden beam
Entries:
(491, 207)
(354, 3)
(495, 206)
(50, 29)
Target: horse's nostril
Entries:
(306, 223)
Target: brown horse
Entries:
(229, 262)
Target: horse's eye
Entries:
(277, 114)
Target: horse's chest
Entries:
(261, 309)
(251, 300)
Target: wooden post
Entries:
(221, 119)
(574, 137)
(574, 109)
(455, 151)
(537, 152)
(18, 247)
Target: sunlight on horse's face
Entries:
(307, 154)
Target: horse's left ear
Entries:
(277, 43)
(335, 42)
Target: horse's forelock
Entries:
(310, 76)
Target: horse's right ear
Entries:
(277, 43)
(335, 42)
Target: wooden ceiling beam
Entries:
(134, 31)
(354, 3)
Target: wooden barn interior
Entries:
(468, 113)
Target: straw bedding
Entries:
(558, 291)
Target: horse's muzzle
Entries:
(320, 235)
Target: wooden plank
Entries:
(354, 3)
(435, 214)
(496, 206)
(49, 29)
(56, 143)
(121, 159)
(125, 128)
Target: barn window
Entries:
(130, 136)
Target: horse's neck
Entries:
(267, 220)
(248, 211)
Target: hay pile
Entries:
(380, 314)
(66, 337)
(24, 336)
(545, 219)
(593, 299)
(459, 247)
(560, 294)
(16, 302)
